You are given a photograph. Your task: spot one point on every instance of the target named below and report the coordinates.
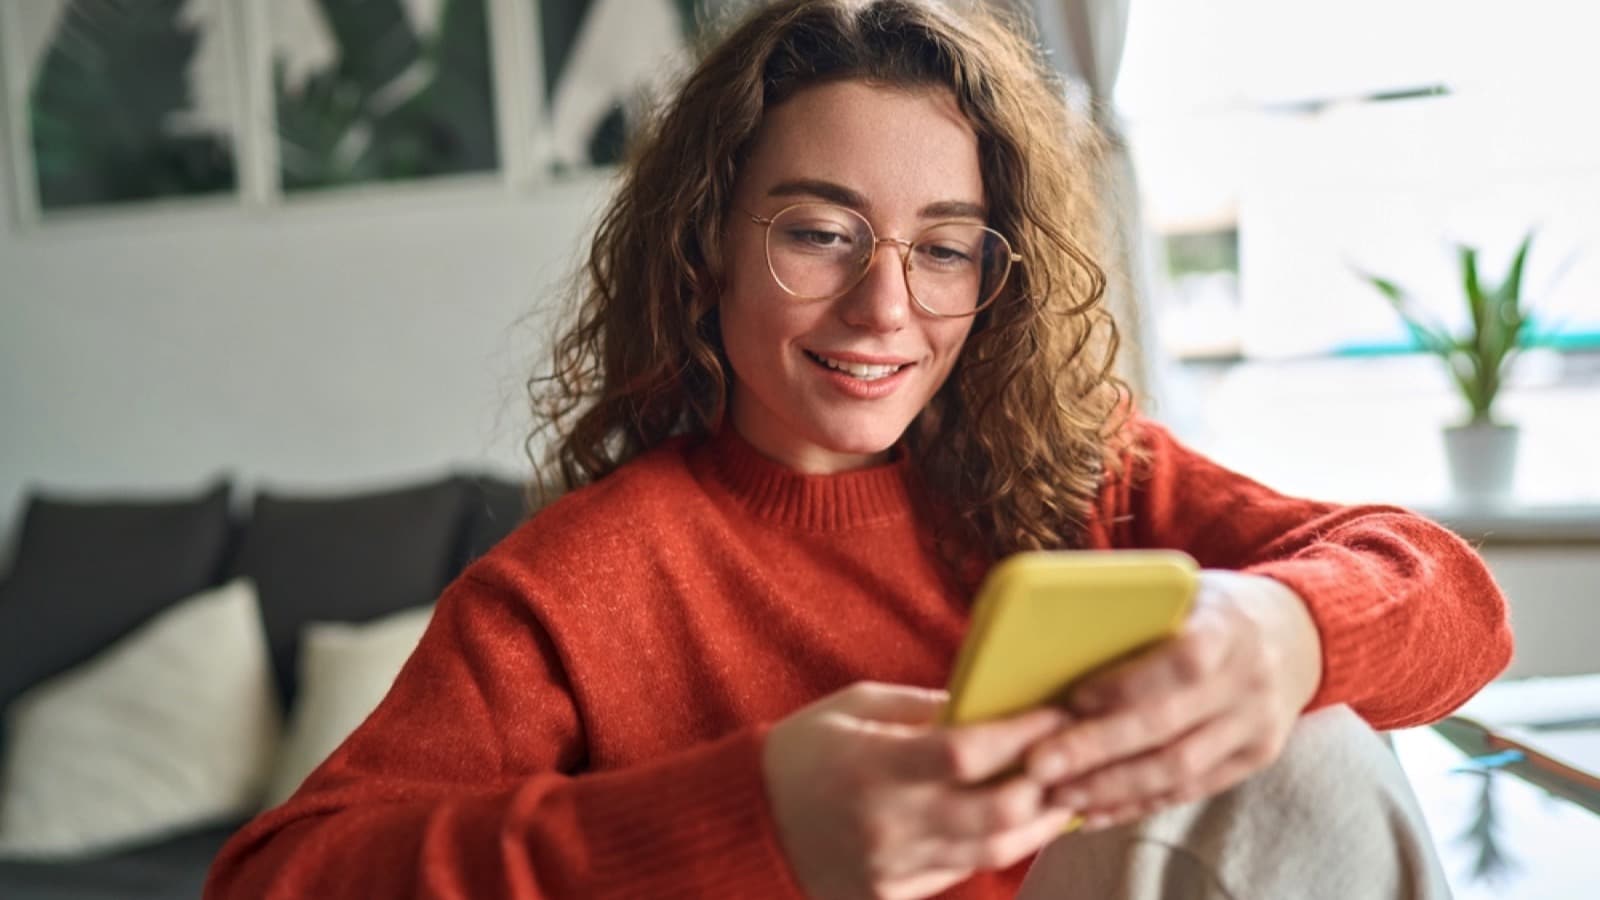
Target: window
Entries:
(1369, 135)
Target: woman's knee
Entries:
(1335, 809)
(1335, 768)
(1333, 817)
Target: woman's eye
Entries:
(946, 254)
(818, 238)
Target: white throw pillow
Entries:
(171, 727)
(345, 670)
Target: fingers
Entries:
(971, 753)
(1143, 703)
(957, 824)
(1178, 767)
(1128, 732)
(855, 779)
(1127, 812)
(1003, 849)
(1197, 653)
(1228, 775)
(974, 812)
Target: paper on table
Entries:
(1577, 749)
(1548, 721)
(1536, 701)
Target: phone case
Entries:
(1043, 619)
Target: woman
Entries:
(839, 349)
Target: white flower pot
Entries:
(1483, 460)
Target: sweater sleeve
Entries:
(469, 781)
(1411, 622)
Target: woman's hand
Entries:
(872, 799)
(1193, 716)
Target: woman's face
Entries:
(902, 158)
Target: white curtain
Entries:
(1085, 39)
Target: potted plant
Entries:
(1481, 451)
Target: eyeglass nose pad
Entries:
(901, 246)
(902, 254)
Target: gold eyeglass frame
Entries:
(903, 245)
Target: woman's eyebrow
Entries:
(834, 192)
(827, 190)
(953, 209)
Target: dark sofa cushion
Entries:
(171, 869)
(88, 572)
(346, 559)
(495, 507)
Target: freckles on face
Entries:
(830, 384)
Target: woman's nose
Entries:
(881, 301)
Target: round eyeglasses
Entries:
(819, 251)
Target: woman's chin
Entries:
(870, 444)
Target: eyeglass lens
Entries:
(820, 251)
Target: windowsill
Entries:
(1520, 523)
(1368, 431)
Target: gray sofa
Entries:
(86, 572)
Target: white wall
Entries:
(361, 340)
(1554, 610)
(341, 342)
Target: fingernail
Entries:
(1049, 766)
(1052, 718)
(1096, 823)
(1072, 800)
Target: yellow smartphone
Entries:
(1044, 619)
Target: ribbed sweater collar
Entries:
(774, 492)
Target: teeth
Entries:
(858, 370)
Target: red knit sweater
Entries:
(585, 714)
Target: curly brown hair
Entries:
(1017, 441)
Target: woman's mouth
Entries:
(861, 371)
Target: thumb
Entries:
(969, 754)
(890, 704)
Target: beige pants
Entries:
(1333, 819)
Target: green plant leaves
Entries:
(1478, 362)
(395, 104)
(106, 107)
(1428, 335)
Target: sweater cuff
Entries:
(1336, 605)
(695, 823)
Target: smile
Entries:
(863, 371)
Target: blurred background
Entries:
(314, 245)
(277, 237)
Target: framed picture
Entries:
(603, 62)
(381, 90)
(245, 102)
(115, 102)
